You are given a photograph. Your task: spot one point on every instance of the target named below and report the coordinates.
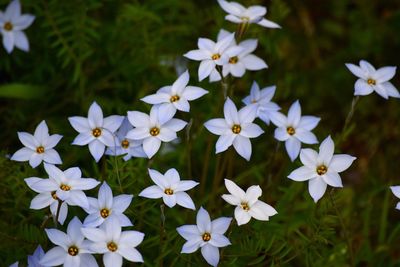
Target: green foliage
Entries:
(117, 51)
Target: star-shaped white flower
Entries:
(252, 14)
(12, 24)
(396, 192)
(47, 198)
(95, 130)
(237, 65)
(124, 146)
(247, 203)
(176, 96)
(170, 188)
(371, 80)
(294, 129)
(213, 54)
(236, 128)
(113, 243)
(72, 249)
(65, 185)
(262, 100)
(153, 129)
(106, 207)
(33, 260)
(38, 147)
(207, 235)
(321, 168)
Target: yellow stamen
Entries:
(169, 191)
(112, 246)
(216, 56)
(290, 130)
(73, 250)
(125, 144)
(96, 132)
(174, 98)
(40, 150)
(206, 237)
(236, 129)
(322, 169)
(154, 131)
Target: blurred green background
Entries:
(115, 52)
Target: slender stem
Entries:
(241, 30)
(344, 229)
(188, 149)
(203, 179)
(348, 119)
(58, 213)
(162, 234)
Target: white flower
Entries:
(371, 80)
(247, 203)
(15, 264)
(236, 128)
(396, 192)
(65, 185)
(153, 129)
(114, 244)
(321, 168)
(213, 54)
(252, 14)
(106, 207)
(238, 64)
(12, 24)
(207, 235)
(294, 129)
(170, 188)
(33, 260)
(175, 97)
(38, 147)
(95, 130)
(47, 198)
(72, 249)
(262, 100)
(124, 146)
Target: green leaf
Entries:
(21, 91)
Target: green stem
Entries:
(162, 234)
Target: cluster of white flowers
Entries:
(140, 134)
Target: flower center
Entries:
(290, 130)
(245, 206)
(322, 169)
(96, 132)
(65, 187)
(54, 195)
(8, 26)
(233, 60)
(40, 150)
(245, 19)
(206, 236)
(125, 144)
(73, 250)
(174, 98)
(154, 131)
(105, 213)
(112, 246)
(216, 56)
(371, 81)
(236, 128)
(169, 191)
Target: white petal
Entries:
(230, 112)
(384, 74)
(94, 234)
(234, 189)
(231, 199)
(138, 119)
(151, 145)
(175, 124)
(8, 41)
(184, 200)
(24, 154)
(326, 150)
(278, 119)
(52, 156)
(396, 190)
(131, 254)
(217, 126)
(197, 55)
(156, 98)
(54, 257)
(112, 259)
(210, 254)
(35, 160)
(28, 140)
(305, 136)
(242, 146)
(21, 41)
(281, 134)
(158, 179)
(341, 162)
(309, 157)
(80, 124)
(191, 246)
(317, 188)
(219, 241)
(83, 139)
(332, 178)
(203, 221)
(112, 123)
(105, 196)
(122, 202)
(97, 149)
(52, 141)
(361, 87)
(41, 201)
(253, 193)
(356, 70)
(131, 238)
(366, 66)
(185, 185)
(268, 24)
(293, 146)
(390, 89)
(308, 122)
(241, 216)
(152, 192)
(294, 114)
(302, 174)
(220, 225)
(95, 116)
(237, 70)
(188, 232)
(193, 92)
(231, 7)
(224, 141)
(138, 133)
(380, 90)
(169, 200)
(205, 68)
(58, 238)
(262, 211)
(252, 62)
(247, 114)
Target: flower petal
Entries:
(317, 188)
